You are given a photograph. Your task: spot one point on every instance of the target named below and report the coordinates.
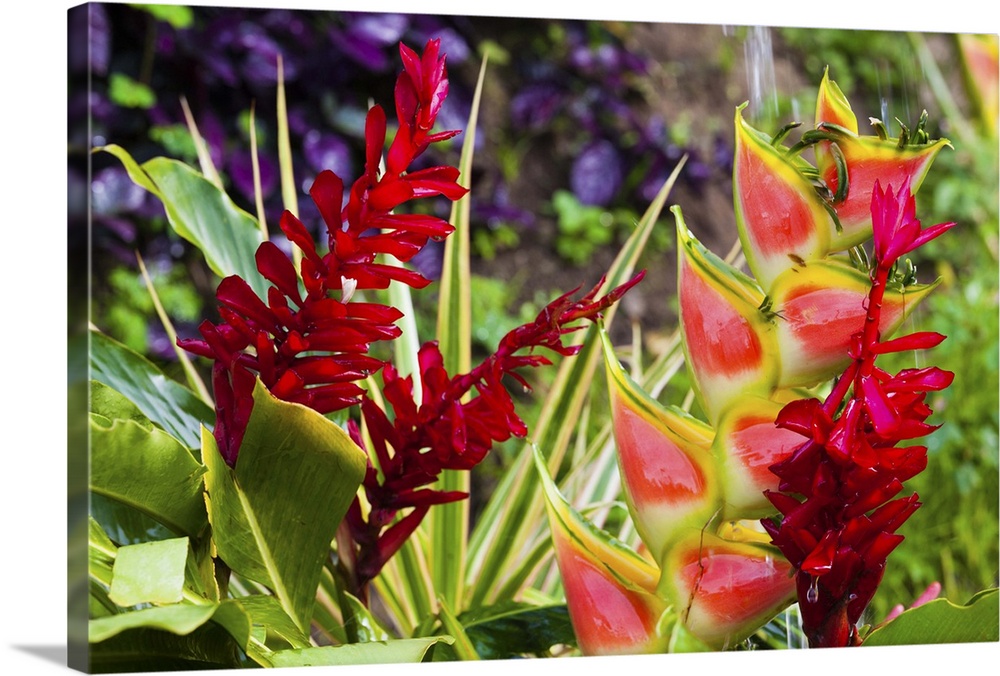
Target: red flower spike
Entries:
(312, 354)
(445, 431)
(848, 473)
(895, 228)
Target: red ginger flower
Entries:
(840, 532)
(445, 432)
(312, 349)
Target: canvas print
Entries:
(404, 338)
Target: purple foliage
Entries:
(597, 173)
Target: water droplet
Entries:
(812, 596)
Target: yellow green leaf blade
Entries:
(942, 621)
(448, 523)
(509, 522)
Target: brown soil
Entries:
(686, 57)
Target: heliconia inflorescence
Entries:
(753, 344)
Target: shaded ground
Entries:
(686, 57)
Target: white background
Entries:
(33, 312)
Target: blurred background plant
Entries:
(581, 124)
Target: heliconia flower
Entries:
(865, 160)
(781, 219)
(818, 307)
(981, 65)
(832, 107)
(729, 342)
(667, 471)
(609, 588)
(746, 444)
(725, 590)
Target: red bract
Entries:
(312, 349)
(447, 430)
(837, 491)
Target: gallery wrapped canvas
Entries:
(403, 338)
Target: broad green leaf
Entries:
(514, 514)
(143, 467)
(511, 629)
(402, 651)
(150, 572)
(178, 619)
(142, 649)
(202, 214)
(164, 401)
(275, 514)
(449, 523)
(941, 621)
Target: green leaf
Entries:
(511, 629)
(449, 523)
(164, 401)
(142, 466)
(101, 552)
(178, 619)
(941, 621)
(203, 214)
(381, 652)
(274, 516)
(360, 624)
(206, 645)
(150, 572)
(464, 650)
